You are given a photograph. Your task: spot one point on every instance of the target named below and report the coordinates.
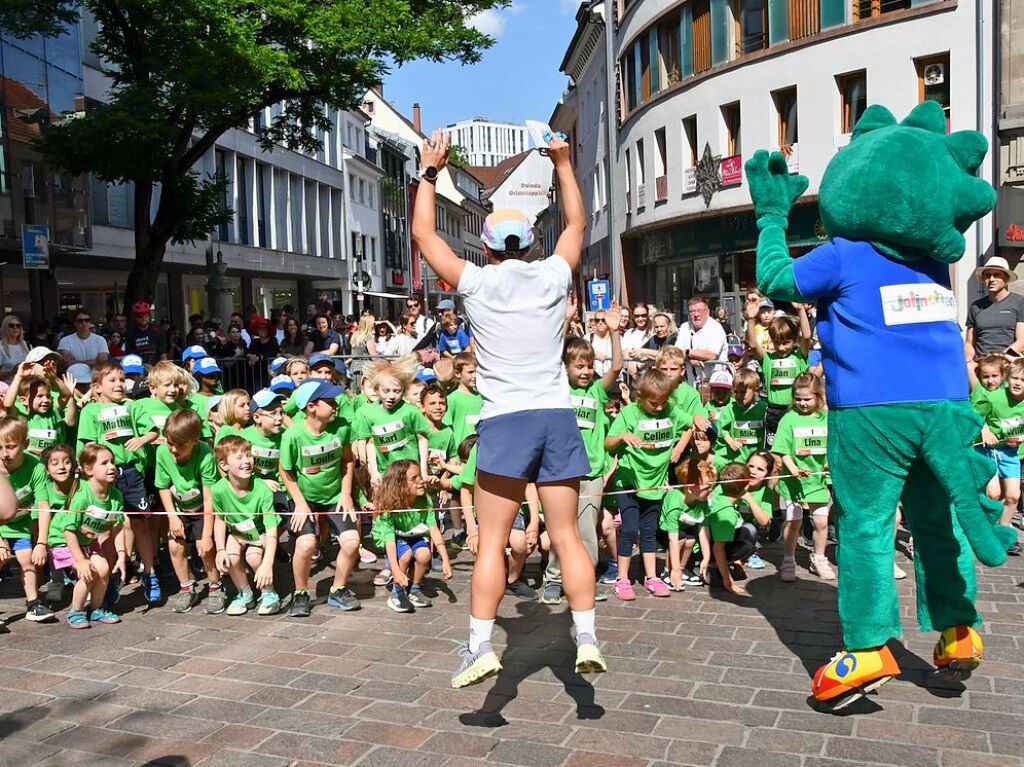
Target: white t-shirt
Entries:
(401, 344)
(711, 337)
(422, 325)
(604, 346)
(634, 338)
(85, 350)
(516, 309)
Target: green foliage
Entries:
(458, 156)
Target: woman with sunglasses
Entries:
(13, 347)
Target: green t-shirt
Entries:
(408, 525)
(315, 461)
(88, 516)
(53, 495)
(247, 517)
(645, 468)
(746, 426)
(724, 516)
(764, 497)
(197, 403)
(227, 431)
(394, 432)
(805, 439)
(29, 483)
(463, 413)
(685, 400)
(979, 398)
(148, 414)
(440, 444)
(266, 453)
(1005, 417)
(46, 430)
(589, 406)
(466, 477)
(186, 480)
(109, 424)
(779, 374)
(675, 513)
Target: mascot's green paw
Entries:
(772, 189)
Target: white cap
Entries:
(41, 353)
(81, 372)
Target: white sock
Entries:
(584, 622)
(479, 632)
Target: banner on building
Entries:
(35, 246)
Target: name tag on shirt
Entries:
(42, 434)
(388, 436)
(315, 458)
(116, 422)
(586, 411)
(912, 304)
(1013, 426)
(21, 494)
(811, 440)
(745, 432)
(655, 432)
(187, 499)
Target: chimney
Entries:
(416, 117)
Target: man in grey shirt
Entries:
(995, 323)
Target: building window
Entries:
(668, 47)
(690, 140)
(629, 182)
(701, 11)
(785, 107)
(262, 200)
(868, 9)
(751, 25)
(220, 160)
(731, 122)
(362, 192)
(804, 18)
(853, 94)
(640, 174)
(242, 213)
(933, 82)
(352, 187)
(660, 166)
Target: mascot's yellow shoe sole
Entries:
(850, 676)
(589, 660)
(959, 650)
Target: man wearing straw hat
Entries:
(995, 323)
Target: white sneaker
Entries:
(898, 572)
(821, 567)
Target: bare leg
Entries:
(302, 560)
(348, 557)
(497, 501)
(561, 503)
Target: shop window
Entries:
(853, 94)
(785, 107)
(751, 25)
(933, 82)
(731, 123)
(868, 9)
(804, 18)
(701, 14)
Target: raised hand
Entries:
(772, 189)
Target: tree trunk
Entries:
(149, 252)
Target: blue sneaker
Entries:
(611, 573)
(78, 619)
(151, 584)
(344, 599)
(102, 615)
(754, 562)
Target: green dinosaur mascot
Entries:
(895, 202)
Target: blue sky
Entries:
(518, 78)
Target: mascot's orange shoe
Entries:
(959, 649)
(852, 675)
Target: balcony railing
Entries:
(866, 9)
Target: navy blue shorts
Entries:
(535, 445)
(132, 485)
(402, 545)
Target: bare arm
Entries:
(435, 250)
(969, 345)
(570, 241)
(1018, 339)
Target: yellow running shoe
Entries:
(589, 659)
(852, 675)
(959, 649)
(476, 667)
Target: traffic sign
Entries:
(600, 295)
(35, 246)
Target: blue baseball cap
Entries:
(207, 366)
(425, 374)
(194, 353)
(264, 398)
(504, 223)
(339, 364)
(132, 363)
(277, 363)
(315, 389)
(282, 384)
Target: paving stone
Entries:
(527, 754)
(24, 753)
(386, 756)
(218, 710)
(228, 758)
(461, 744)
(153, 700)
(314, 749)
(746, 757)
(167, 725)
(881, 752)
(97, 741)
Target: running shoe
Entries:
(476, 666)
(589, 659)
(37, 612)
(366, 556)
(1015, 550)
(821, 567)
(78, 619)
(344, 599)
(300, 607)
(399, 602)
(102, 615)
(787, 570)
(521, 590)
(624, 590)
(656, 587)
(419, 599)
(690, 578)
(151, 586)
(611, 573)
(383, 578)
(269, 604)
(754, 562)
(959, 649)
(898, 572)
(242, 603)
(216, 601)
(849, 676)
(188, 598)
(552, 594)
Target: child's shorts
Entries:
(193, 524)
(338, 523)
(535, 445)
(795, 511)
(21, 544)
(62, 558)
(688, 532)
(132, 485)
(519, 523)
(404, 545)
(1006, 459)
(743, 544)
(283, 505)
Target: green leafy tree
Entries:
(183, 73)
(458, 156)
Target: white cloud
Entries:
(492, 21)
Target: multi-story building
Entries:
(1009, 80)
(397, 158)
(487, 143)
(704, 83)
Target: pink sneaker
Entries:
(624, 590)
(657, 587)
(366, 557)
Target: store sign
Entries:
(35, 246)
(690, 180)
(732, 170)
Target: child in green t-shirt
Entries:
(393, 429)
(184, 477)
(780, 365)
(762, 465)
(465, 403)
(683, 510)
(207, 373)
(246, 527)
(685, 401)
(265, 435)
(1003, 434)
(29, 395)
(802, 444)
(316, 469)
(404, 525)
(19, 535)
(731, 539)
(60, 466)
(234, 413)
(83, 534)
(742, 432)
(441, 445)
(648, 437)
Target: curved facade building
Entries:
(702, 84)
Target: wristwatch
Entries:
(429, 173)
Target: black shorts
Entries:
(132, 485)
(193, 524)
(338, 523)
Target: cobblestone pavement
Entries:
(696, 679)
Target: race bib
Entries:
(655, 432)
(783, 372)
(246, 530)
(912, 304)
(586, 411)
(159, 421)
(315, 458)
(390, 436)
(188, 499)
(96, 520)
(21, 494)
(811, 440)
(746, 432)
(114, 422)
(265, 459)
(1013, 426)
